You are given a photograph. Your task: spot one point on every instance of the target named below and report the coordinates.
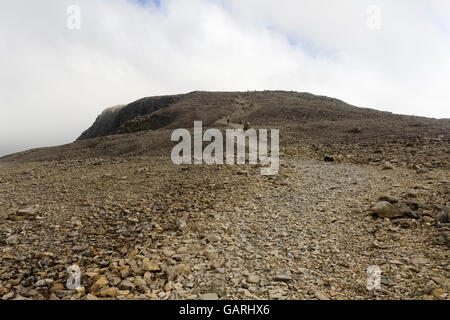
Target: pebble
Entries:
(213, 238)
(211, 254)
(100, 283)
(443, 216)
(252, 278)
(282, 277)
(14, 239)
(321, 295)
(209, 296)
(151, 266)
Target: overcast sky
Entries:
(55, 78)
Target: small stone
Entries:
(168, 252)
(110, 292)
(56, 286)
(282, 276)
(24, 214)
(218, 263)
(419, 261)
(126, 284)
(29, 211)
(178, 270)
(168, 287)
(139, 282)
(19, 297)
(12, 239)
(91, 297)
(211, 254)
(151, 266)
(429, 287)
(217, 287)
(443, 216)
(252, 278)
(321, 295)
(438, 293)
(387, 166)
(124, 273)
(100, 230)
(276, 294)
(8, 296)
(389, 199)
(177, 257)
(182, 250)
(115, 281)
(81, 291)
(213, 238)
(264, 282)
(100, 283)
(123, 292)
(43, 282)
(209, 296)
(148, 278)
(63, 293)
(182, 224)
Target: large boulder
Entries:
(443, 216)
(384, 209)
(24, 214)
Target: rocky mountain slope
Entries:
(309, 124)
(139, 227)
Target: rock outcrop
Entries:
(110, 120)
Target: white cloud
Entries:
(54, 81)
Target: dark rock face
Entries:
(112, 119)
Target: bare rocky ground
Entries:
(356, 188)
(143, 228)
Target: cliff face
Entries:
(110, 120)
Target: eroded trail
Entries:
(312, 227)
(144, 228)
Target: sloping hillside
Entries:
(140, 227)
(310, 125)
(268, 107)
